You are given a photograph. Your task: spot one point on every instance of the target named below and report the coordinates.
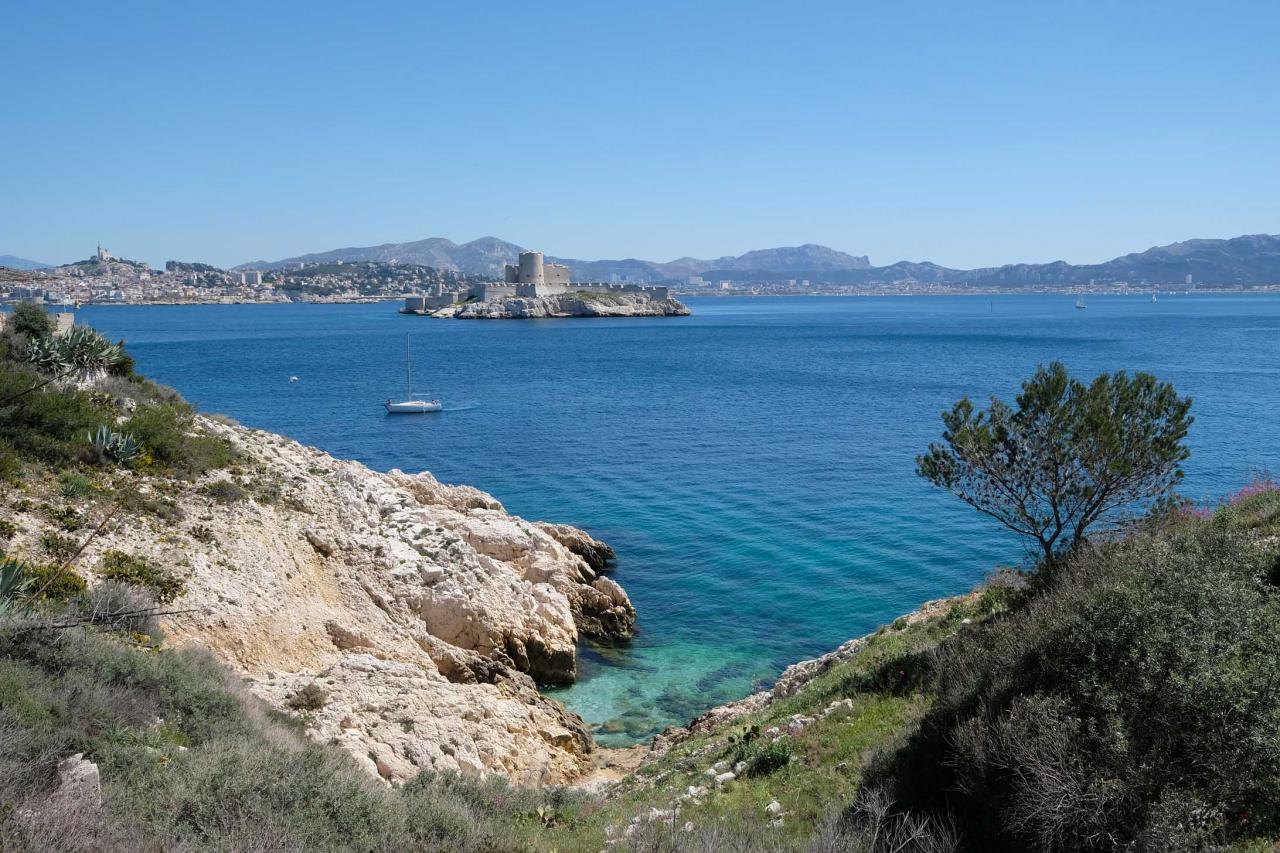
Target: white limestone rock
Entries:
(566, 305)
(424, 610)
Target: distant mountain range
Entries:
(14, 262)
(1252, 259)
(488, 255)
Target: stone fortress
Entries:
(530, 278)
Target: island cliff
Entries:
(424, 612)
(573, 304)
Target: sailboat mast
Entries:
(408, 376)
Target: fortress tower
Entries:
(532, 269)
(532, 276)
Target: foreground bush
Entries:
(1133, 703)
(190, 761)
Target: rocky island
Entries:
(534, 289)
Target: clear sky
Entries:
(964, 133)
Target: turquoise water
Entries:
(752, 464)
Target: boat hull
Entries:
(412, 407)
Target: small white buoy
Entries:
(293, 379)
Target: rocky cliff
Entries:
(424, 612)
(567, 305)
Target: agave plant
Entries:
(79, 352)
(45, 355)
(14, 582)
(108, 444)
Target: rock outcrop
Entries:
(567, 305)
(425, 613)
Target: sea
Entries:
(753, 464)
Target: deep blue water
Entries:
(752, 464)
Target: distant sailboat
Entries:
(1153, 297)
(410, 406)
(1080, 302)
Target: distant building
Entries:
(1187, 280)
(104, 255)
(252, 278)
(533, 276)
(694, 280)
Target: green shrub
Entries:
(900, 675)
(166, 433)
(224, 491)
(48, 425)
(52, 583)
(163, 584)
(771, 755)
(202, 533)
(265, 490)
(73, 485)
(7, 529)
(58, 546)
(310, 697)
(1135, 699)
(11, 467)
(125, 493)
(66, 517)
(220, 773)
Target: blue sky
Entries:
(964, 133)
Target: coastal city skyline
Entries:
(967, 137)
(438, 275)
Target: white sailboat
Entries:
(410, 406)
(1080, 302)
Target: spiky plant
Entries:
(14, 582)
(110, 445)
(80, 352)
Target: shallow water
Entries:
(752, 464)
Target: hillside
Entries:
(13, 262)
(1248, 260)
(488, 255)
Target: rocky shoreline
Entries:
(425, 612)
(566, 305)
(793, 679)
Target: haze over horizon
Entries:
(925, 132)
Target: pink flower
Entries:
(1260, 486)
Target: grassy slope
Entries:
(827, 756)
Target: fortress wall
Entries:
(651, 292)
(489, 291)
